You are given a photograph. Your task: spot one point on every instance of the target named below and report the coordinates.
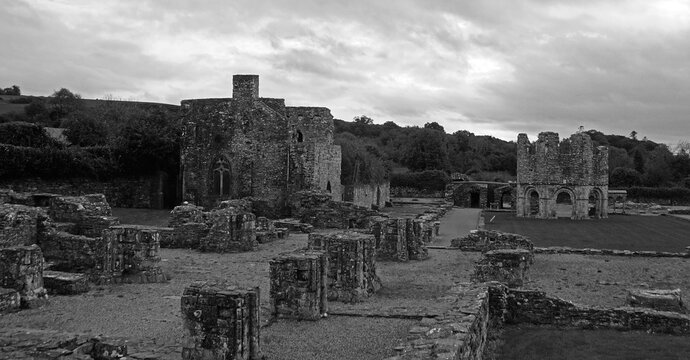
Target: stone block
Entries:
(132, 252)
(657, 299)
(351, 264)
(22, 225)
(64, 283)
(69, 252)
(507, 266)
(9, 300)
(299, 285)
(221, 322)
(21, 269)
(75, 208)
(232, 230)
(189, 235)
(186, 213)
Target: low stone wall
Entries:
(408, 192)
(69, 252)
(487, 240)
(459, 333)
(299, 285)
(187, 236)
(121, 192)
(589, 251)
(232, 230)
(532, 306)
(186, 213)
(507, 266)
(222, 322)
(351, 264)
(318, 209)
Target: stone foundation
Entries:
(299, 285)
(351, 266)
(21, 269)
(222, 322)
(507, 266)
(232, 230)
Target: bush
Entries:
(432, 180)
(25, 134)
(21, 100)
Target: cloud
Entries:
(489, 66)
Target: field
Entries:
(544, 343)
(656, 233)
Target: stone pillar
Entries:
(137, 249)
(351, 266)
(393, 241)
(222, 322)
(299, 285)
(507, 266)
(416, 250)
(21, 269)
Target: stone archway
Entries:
(564, 205)
(595, 203)
(532, 203)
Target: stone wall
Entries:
(21, 269)
(69, 252)
(318, 209)
(139, 249)
(232, 230)
(299, 285)
(141, 192)
(548, 168)
(22, 225)
(367, 195)
(486, 240)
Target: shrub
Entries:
(25, 134)
(50, 163)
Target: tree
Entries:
(434, 126)
(64, 102)
(84, 130)
(624, 177)
(363, 119)
(14, 90)
(658, 167)
(633, 135)
(428, 151)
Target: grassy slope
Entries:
(659, 233)
(7, 107)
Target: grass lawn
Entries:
(656, 233)
(537, 343)
(142, 216)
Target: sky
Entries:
(490, 67)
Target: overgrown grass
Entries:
(657, 233)
(536, 343)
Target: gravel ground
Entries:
(603, 280)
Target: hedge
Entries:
(20, 133)
(50, 163)
(673, 195)
(433, 180)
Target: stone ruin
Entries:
(223, 322)
(658, 299)
(318, 209)
(80, 241)
(253, 146)
(507, 266)
(299, 285)
(351, 264)
(561, 179)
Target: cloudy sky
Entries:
(487, 66)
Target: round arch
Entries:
(532, 201)
(564, 203)
(595, 203)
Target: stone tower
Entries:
(561, 179)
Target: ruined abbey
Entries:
(561, 179)
(249, 146)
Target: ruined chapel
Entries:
(561, 179)
(249, 146)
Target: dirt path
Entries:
(457, 222)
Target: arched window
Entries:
(300, 137)
(328, 186)
(221, 177)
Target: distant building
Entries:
(561, 179)
(249, 146)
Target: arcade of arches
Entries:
(551, 202)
